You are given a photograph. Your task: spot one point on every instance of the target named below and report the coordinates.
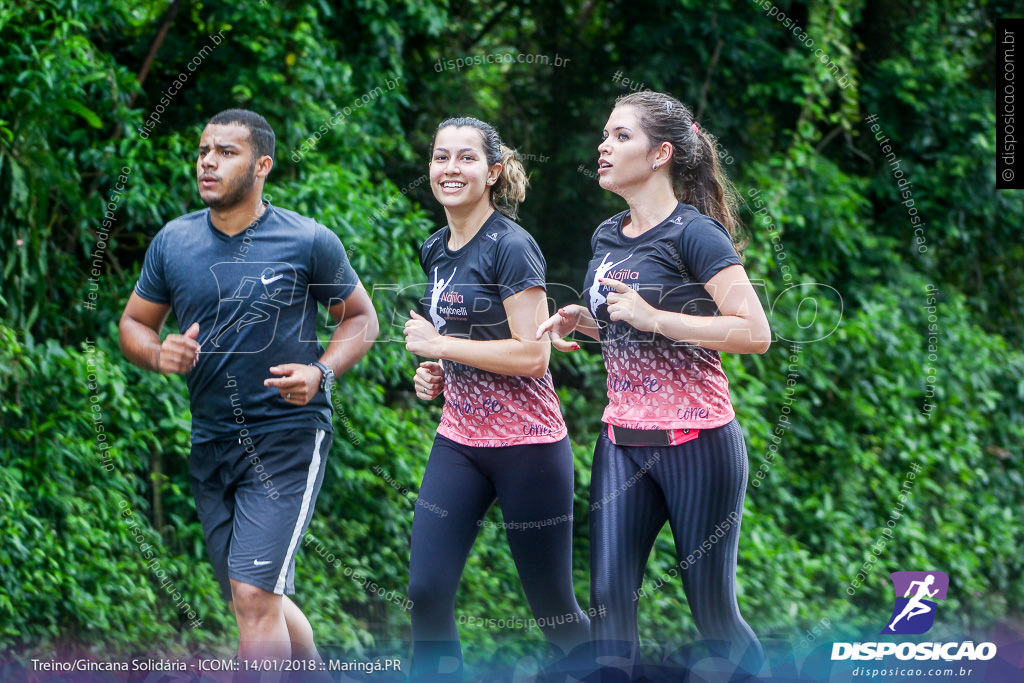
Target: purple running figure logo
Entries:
(914, 608)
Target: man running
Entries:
(243, 279)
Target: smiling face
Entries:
(625, 153)
(226, 166)
(460, 176)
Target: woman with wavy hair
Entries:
(667, 293)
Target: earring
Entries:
(654, 166)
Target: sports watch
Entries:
(327, 380)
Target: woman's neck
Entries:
(648, 207)
(464, 225)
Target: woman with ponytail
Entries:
(501, 434)
(667, 292)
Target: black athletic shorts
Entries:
(255, 497)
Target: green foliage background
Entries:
(857, 322)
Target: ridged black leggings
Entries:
(698, 487)
(535, 486)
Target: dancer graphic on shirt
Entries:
(435, 298)
(596, 297)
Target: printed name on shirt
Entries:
(489, 406)
(624, 274)
(645, 385)
(534, 429)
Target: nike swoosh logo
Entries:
(261, 564)
(273, 279)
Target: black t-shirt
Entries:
(255, 297)
(464, 298)
(655, 382)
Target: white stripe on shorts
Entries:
(307, 495)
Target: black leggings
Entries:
(698, 487)
(535, 485)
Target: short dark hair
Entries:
(261, 135)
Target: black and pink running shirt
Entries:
(655, 382)
(464, 298)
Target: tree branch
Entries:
(488, 26)
(828, 138)
(172, 11)
(711, 68)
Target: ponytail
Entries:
(704, 184)
(510, 188)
